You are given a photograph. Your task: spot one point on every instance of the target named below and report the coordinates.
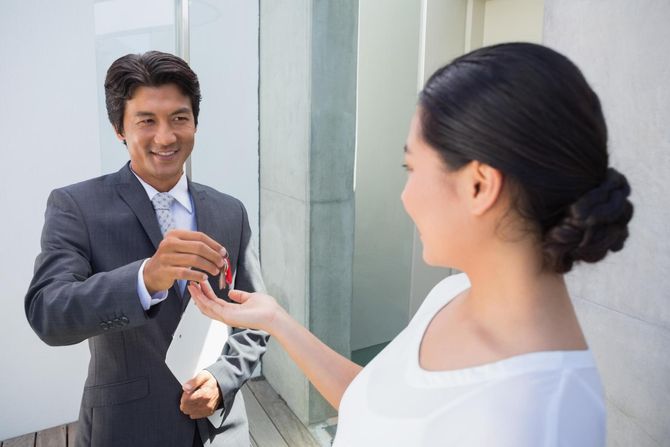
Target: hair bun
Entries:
(595, 224)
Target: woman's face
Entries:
(434, 198)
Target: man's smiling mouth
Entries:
(165, 154)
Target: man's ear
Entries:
(119, 135)
(486, 184)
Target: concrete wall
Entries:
(307, 120)
(388, 54)
(623, 49)
(284, 144)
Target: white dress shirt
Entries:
(184, 218)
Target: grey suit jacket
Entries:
(96, 235)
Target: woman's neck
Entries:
(516, 301)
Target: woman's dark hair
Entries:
(150, 69)
(527, 111)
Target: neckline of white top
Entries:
(511, 366)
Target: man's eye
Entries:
(146, 122)
(180, 118)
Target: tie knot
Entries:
(162, 201)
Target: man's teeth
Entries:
(165, 154)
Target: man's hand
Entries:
(179, 253)
(201, 396)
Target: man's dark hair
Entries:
(150, 69)
(527, 111)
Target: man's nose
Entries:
(165, 135)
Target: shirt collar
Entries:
(179, 191)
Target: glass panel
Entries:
(122, 27)
(224, 54)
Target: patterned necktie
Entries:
(162, 202)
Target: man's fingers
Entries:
(196, 382)
(198, 243)
(175, 245)
(187, 274)
(194, 236)
(192, 396)
(197, 395)
(190, 261)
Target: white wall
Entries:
(623, 49)
(55, 132)
(442, 39)
(49, 127)
(489, 22)
(513, 21)
(447, 28)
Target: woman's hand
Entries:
(330, 372)
(254, 310)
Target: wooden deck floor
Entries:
(271, 424)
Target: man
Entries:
(113, 270)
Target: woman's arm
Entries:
(330, 372)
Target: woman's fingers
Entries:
(239, 296)
(212, 309)
(207, 290)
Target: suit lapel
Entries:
(206, 223)
(132, 192)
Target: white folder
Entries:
(197, 343)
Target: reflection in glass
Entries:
(122, 27)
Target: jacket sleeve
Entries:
(66, 302)
(245, 347)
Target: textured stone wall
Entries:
(623, 49)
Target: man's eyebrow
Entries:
(182, 110)
(176, 112)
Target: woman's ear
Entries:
(486, 184)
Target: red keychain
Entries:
(226, 278)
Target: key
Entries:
(226, 277)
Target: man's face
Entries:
(159, 129)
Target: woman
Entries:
(508, 181)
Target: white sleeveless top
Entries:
(541, 399)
